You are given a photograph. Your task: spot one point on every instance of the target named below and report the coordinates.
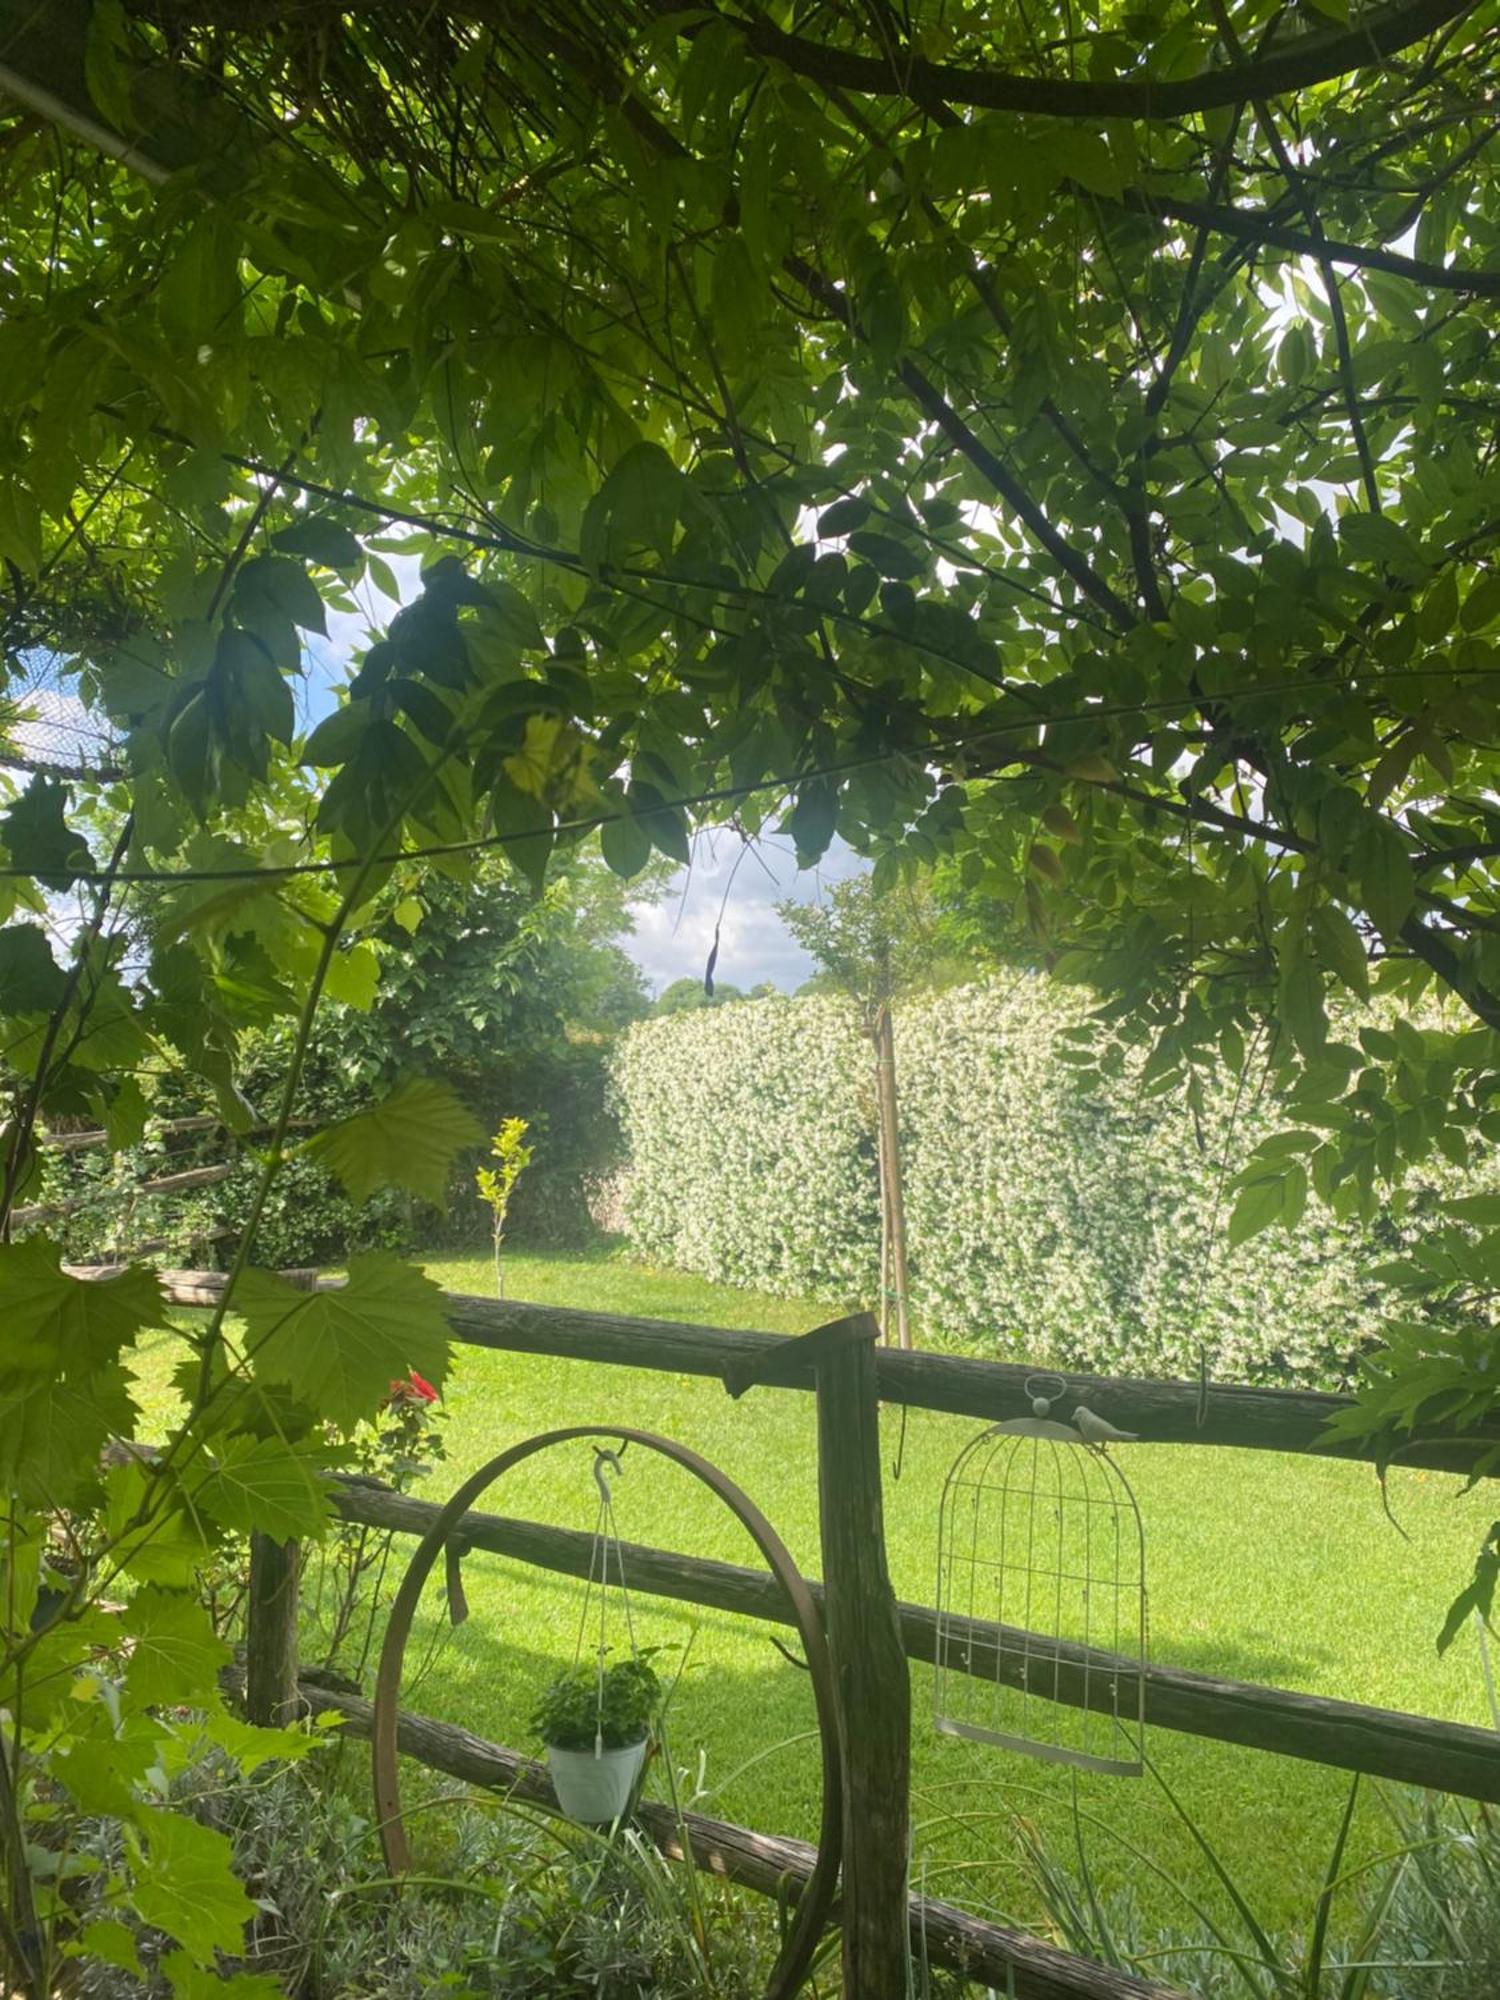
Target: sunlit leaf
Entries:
(261, 1483)
(339, 1351)
(410, 1141)
(175, 1654)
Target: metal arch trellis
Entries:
(815, 1903)
(1040, 1536)
(45, 727)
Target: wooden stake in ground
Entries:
(893, 1275)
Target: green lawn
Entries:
(1261, 1567)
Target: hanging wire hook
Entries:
(1043, 1390)
(602, 1457)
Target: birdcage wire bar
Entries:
(1041, 1574)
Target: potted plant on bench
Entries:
(596, 1727)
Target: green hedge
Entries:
(1048, 1216)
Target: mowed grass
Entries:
(1262, 1567)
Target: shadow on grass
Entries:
(1251, 1656)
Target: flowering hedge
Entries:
(1049, 1215)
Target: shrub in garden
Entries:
(1051, 1211)
(1419, 1921)
(503, 1909)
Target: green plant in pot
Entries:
(596, 1727)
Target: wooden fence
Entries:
(860, 1608)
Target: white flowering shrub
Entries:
(752, 1159)
(1049, 1215)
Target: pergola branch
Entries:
(903, 73)
(939, 411)
(1248, 225)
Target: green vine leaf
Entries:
(264, 1484)
(340, 1350)
(109, 1942)
(410, 1141)
(155, 1539)
(53, 1429)
(196, 1982)
(184, 1885)
(175, 1654)
(31, 980)
(38, 838)
(252, 1746)
(56, 1322)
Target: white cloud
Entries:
(672, 938)
(737, 891)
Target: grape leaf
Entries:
(197, 1982)
(187, 1887)
(31, 980)
(154, 1539)
(264, 1484)
(252, 1746)
(38, 838)
(56, 1322)
(53, 1429)
(175, 1654)
(409, 1141)
(110, 1942)
(339, 1351)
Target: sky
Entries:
(726, 885)
(738, 890)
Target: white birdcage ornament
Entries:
(1041, 1598)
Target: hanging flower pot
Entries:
(596, 1723)
(595, 1786)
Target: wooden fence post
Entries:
(869, 1663)
(272, 1602)
(271, 1631)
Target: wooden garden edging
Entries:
(770, 1863)
(1382, 1743)
(1159, 1412)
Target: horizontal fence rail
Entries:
(1290, 1420)
(167, 1128)
(183, 1183)
(77, 1142)
(771, 1863)
(1383, 1743)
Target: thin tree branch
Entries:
(903, 73)
(936, 407)
(1249, 225)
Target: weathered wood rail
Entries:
(76, 1142)
(183, 1183)
(1291, 1420)
(1382, 1743)
(1008, 1959)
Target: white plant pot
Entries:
(595, 1789)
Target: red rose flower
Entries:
(411, 1388)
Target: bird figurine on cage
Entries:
(1096, 1431)
(1041, 1639)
